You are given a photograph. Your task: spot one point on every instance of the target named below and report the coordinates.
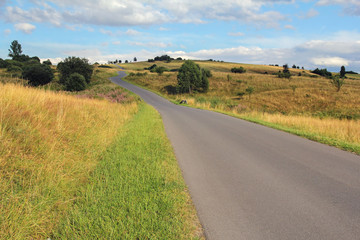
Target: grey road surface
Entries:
(252, 182)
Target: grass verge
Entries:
(136, 192)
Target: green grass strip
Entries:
(136, 192)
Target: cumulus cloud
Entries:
(350, 7)
(151, 44)
(330, 61)
(310, 14)
(137, 12)
(25, 27)
(291, 27)
(7, 32)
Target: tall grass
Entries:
(50, 143)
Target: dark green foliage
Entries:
(15, 49)
(238, 70)
(351, 72)
(151, 67)
(126, 61)
(47, 62)
(13, 68)
(250, 90)
(205, 73)
(322, 72)
(163, 58)
(285, 73)
(179, 59)
(75, 65)
(104, 66)
(151, 60)
(160, 70)
(294, 66)
(189, 77)
(337, 81)
(75, 82)
(38, 74)
(135, 59)
(3, 63)
(342, 72)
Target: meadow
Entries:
(65, 155)
(304, 102)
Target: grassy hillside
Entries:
(304, 96)
(49, 144)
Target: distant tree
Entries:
(342, 72)
(47, 62)
(119, 61)
(179, 59)
(337, 82)
(38, 74)
(135, 59)
(294, 66)
(75, 65)
(285, 73)
(15, 49)
(160, 70)
(189, 77)
(126, 61)
(75, 82)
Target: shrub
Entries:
(3, 63)
(75, 65)
(322, 72)
(75, 82)
(47, 62)
(238, 70)
(192, 78)
(337, 81)
(38, 74)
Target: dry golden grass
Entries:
(308, 102)
(49, 144)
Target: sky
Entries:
(318, 33)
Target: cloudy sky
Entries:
(318, 33)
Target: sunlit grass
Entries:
(49, 144)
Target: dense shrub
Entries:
(75, 65)
(238, 70)
(75, 82)
(3, 63)
(322, 72)
(38, 74)
(47, 62)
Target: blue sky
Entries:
(319, 33)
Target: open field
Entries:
(307, 96)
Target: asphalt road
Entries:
(252, 182)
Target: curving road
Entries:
(252, 182)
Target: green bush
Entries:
(75, 65)
(238, 70)
(38, 74)
(75, 82)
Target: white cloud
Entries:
(25, 27)
(151, 44)
(116, 43)
(330, 61)
(350, 7)
(163, 29)
(236, 34)
(138, 12)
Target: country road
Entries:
(252, 182)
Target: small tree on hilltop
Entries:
(342, 72)
(15, 49)
(250, 91)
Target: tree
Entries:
(342, 72)
(15, 49)
(75, 82)
(38, 74)
(160, 70)
(337, 81)
(285, 73)
(3, 63)
(75, 65)
(189, 77)
(126, 61)
(47, 62)
(238, 70)
(135, 59)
